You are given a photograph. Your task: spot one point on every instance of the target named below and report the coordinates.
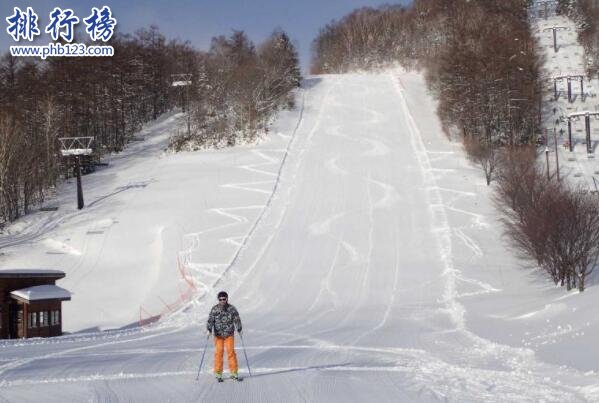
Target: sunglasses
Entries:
(222, 299)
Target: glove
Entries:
(208, 333)
(240, 333)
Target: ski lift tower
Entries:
(569, 78)
(555, 29)
(183, 81)
(587, 123)
(73, 148)
(546, 4)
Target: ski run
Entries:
(359, 245)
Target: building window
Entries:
(44, 318)
(32, 320)
(55, 318)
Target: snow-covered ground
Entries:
(359, 245)
(122, 254)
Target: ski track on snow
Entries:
(428, 373)
(207, 274)
(524, 367)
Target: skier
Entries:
(224, 318)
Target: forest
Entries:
(235, 88)
(479, 58)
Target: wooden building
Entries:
(31, 303)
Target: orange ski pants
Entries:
(220, 343)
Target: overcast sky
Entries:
(199, 20)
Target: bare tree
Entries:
(9, 143)
(484, 154)
(479, 56)
(580, 236)
(238, 89)
(546, 221)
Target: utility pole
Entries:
(556, 153)
(547, 158)
(569, 89)
(570, 145)
(587, 125)
(80, 203)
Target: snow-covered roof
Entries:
(77, 151)
(181, 83)
(31, 273)
(41, 292)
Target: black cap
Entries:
(223, 294)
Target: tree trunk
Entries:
(581, 282)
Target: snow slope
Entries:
(142, 211)
(363, 255)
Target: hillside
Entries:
(357, 242)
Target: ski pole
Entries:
(202, 360)
(244, 353)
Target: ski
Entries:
(238, 379)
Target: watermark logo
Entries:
(100, 25)
(23, 25)
(62, 20)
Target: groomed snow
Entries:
(41, 292)
(359, 245)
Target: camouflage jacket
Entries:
(223, 320)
